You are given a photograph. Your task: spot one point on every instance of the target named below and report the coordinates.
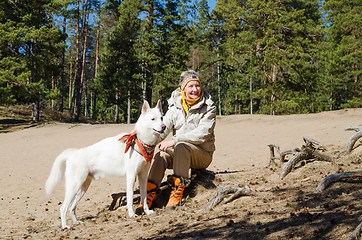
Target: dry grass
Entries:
(18, 117)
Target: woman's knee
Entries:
(162, 160)
(181, 147)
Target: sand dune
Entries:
(241, 145)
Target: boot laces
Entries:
(177, 192)
(150, 196)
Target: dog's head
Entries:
(150, 123)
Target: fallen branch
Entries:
(345, 176)
(287, 152)
(355, 235)
(308, 152)
(312, 143)
(282, 155)
(272, 154)
(116, 196)
(224, 191)
(353, 139)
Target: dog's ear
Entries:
(145, 107)
(159, 105)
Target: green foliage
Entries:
(117, 80)
(29, 49)
(274, 43)
(353, 103)
(343, 52)
(254, 56)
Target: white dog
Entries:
(120, 155)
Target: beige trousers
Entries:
(180, 158)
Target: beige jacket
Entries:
(197, 127)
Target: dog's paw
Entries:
(131, 214)
(78, 222)
(148, 212)
(66, 227)
(139, 211)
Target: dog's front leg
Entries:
(142, 179)
(131, 178)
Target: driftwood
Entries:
(282, 155)
(225, 191)
(273, 146)
(345, 176)
(356, 234)
(338, 177)
(309, 151)
(287, 152)
(353, 139)
(120, 195)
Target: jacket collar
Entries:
(175, 99)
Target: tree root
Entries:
(224, 191)
(345, 176)
(273, 146)
(282, 155)
(355, 235)
(352, 140)
(309, 151)
(287, 152)
(120, 195)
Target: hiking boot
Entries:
(151, 193)
(177, 192)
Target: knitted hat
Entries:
(187, 76)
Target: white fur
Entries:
(106, 159)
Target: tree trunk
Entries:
(70, 87)
(94, 107)
(62, 74)
(77, 82)
(331, 98)
(116, 114)
(251, 96)
(35, 111)
(53, 87)
(144, 81)
(85, 98)
(82, 81)
(150, 66)
(272, 99)
(129, 108)
(218, 82)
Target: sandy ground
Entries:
(282, 209)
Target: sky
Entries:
(211, 4)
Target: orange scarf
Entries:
(187, 103)
(131, 137)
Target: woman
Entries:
(191, 118)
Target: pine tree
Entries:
(271, 46)
(29, 52)
(118, 83)
(343, 53)
(173, 51)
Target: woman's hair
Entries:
(187, 74)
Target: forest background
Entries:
(99, 59)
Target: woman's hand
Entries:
(166, 144)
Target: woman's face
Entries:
(193, 89)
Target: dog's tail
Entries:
(58, 169)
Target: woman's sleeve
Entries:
(168, 121)
(203, 131)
